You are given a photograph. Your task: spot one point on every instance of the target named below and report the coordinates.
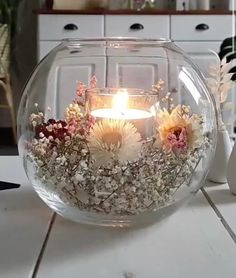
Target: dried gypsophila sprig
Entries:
(57, 135)
(139, 186)
(36, 118)
(76, 122)
(158, 87)
(112, 189)
(166, 99)
(82, 89)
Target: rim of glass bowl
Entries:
(132, 92)
(120, 42)
(149, 41)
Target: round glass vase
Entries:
(116, 131)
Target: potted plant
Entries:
(228, 52)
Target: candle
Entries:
(141, 119)
(130, 114)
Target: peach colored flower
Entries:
(179, 130)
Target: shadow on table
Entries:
(20, 200)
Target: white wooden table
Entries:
(197, 241)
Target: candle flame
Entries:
(120, 101)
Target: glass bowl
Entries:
(116, 131)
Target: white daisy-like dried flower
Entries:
(116, 139)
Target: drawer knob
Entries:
(136, 26)
(71, 27)
(202, 27)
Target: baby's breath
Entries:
(106, 167)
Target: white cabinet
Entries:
(135, 72)
(195, 34)
(200, 54)
(44, 47)
(142, 26)
(201, 27)
(62, 86)
(202, 33)
(128, 70)
(57, 27)
(52, 30)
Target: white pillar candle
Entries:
(129, 114)
(141, 119)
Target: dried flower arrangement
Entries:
(106, 166)
(220, 84)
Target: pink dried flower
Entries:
(81, 126)
(80, 91)
(73, 128)
(178, 139)
(93, 82)
(179, 129)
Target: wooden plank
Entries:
(192, 243)
(135, 12)
(23, 222)
(224, 201)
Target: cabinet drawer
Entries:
(201, 27)
(57, 27)
(200, 54)
(200, 47)
(137, 26)
(45, 47)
